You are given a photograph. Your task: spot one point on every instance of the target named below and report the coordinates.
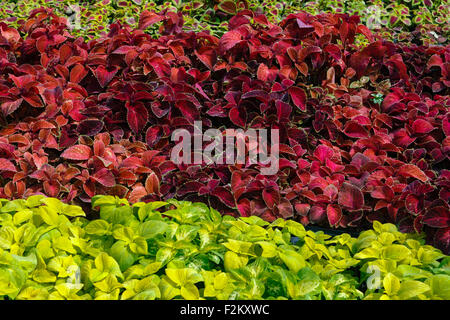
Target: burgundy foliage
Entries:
(84, 118)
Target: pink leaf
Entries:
(6, 165)
(105, 177)
(148, 18)
(244, 208)
(77, 152)
(334, 214)
(11, 106)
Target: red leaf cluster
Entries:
(84, 118)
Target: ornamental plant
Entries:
(184, 250)
(363, 130)
(394, 19)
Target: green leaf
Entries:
(391, 284)
(368, 253)
(98, 227)
(49, 215)
(183, 276)
(64, 243)
(241, 247)
(309, 281)
(122, 214)
(412, 288)
(43, 276)
(22, 216)
(254, 220)
(440, 286)
(268, 249)
(292, 259)
(54, 204)
(14, 206)
(295, 228)
(190, 292)
(106, 263)
(122, 254)
(73, 211)
(108, 284)
(186, 232)
(34, 201)
(125, 234)
(146, 210)
(168, 289)
(139, 246)
(395, 252)
(233, 260)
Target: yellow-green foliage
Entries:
(184, 250)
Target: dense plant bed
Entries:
(171, 250)
(364, 132)
(394, 19)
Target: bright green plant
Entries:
(183, 250)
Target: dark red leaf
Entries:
(298, 97)
(422, 126)
(350, 197)
(137, 116)
(104, 76)
(225, 196)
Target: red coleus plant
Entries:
(364, 132)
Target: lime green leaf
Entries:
(152, 228)
(139, 245)
(440, 286)
(49, 215)
(241, 247)
(391, 284)
(395, 252)
(233, 260)
(412, 288)
(22, 216)
(368, 253)
(98, 227)
(190, 292)
(292, 259)
(120, 252)
(106, 263)
(168, 289)
(183, 276)
(108, 284)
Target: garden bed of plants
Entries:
(173, 250)
(94, 207)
